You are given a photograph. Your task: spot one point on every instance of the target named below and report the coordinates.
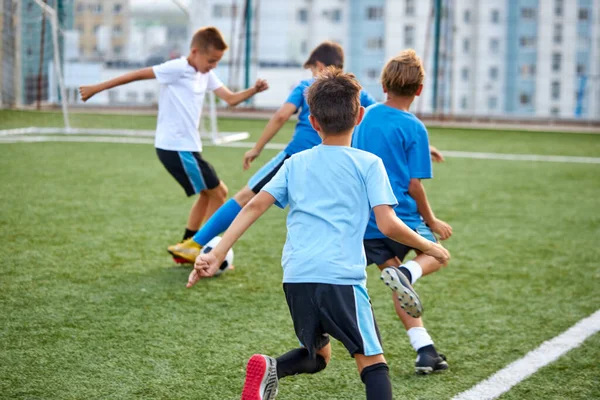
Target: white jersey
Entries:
(182, 91)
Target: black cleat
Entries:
(409, 299)
(427, 363)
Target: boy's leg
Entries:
(197, 215)
(374, 372)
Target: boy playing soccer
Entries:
(331, 189)
(390, 132)
(183, 85)
(305, 137)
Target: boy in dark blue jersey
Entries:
(400, 139)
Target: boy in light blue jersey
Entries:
(400, 139)
(330, 190)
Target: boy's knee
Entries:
(244, 196)
(220, 192)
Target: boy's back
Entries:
(400, 140)
(330, 191)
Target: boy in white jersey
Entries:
(331, 189)
(184, 83)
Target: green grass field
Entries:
(93, 307)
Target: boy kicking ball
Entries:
(331, 190)
(183, 85)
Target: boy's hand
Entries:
(250, 156)
(87, 91)
(261, 85)
(441, 228)
(436, 155)
(438, 252)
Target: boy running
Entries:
(183, 85)
(330, 189)
(400, 139)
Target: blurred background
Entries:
(533, 60)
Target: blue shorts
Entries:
(267, 172)
(378, 251)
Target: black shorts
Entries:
(378, 251)
(267, 172)
(342, 311)
(188, 168)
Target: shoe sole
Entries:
(178, 256)
(261, 379)
(408, 298)
(179, 260)
(440, 367)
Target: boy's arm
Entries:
(416, 190)
(393, 227)
(207, 264)
(436, 155)
(273, 126)
(141, 74)
(233, 99)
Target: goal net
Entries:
(50, 48)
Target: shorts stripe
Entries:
(366, 322)
(267, 169)
(190, 165)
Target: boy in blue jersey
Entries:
(330, 189)
(305, 137)
(389, 131)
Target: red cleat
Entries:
(261, 378)
(179, 260)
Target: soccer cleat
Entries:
(187, 250)
(427, 363)
(180, 260)
(409, 300)
(261, 378)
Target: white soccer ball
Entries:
(227, 263)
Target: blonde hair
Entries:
(208, 37)
(403, 74)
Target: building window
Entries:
(409, 36)
(80, 8)
(302, 15)
(495, 16)
(336, 15)
(96, 28)
(117, 8)
(583, 43)
(527, 41)
(117, 30)
(304, 47)
(464, 102)
(494, 45)
(524, 99)
(410, 8)
(493, 73)
(555, 90)
(372, 73)
(527, 70)
(527, 13)
(558, 33)
(555, 111)
(375, 43)
(556, 60)
(113, 96)
(224, 11)
(580, 69)
(464, 73)
(492, 102)
(466, 45)
(132, 97)
(148, 96)
(558, 8)
(467, 16)
(584, 14)
(374, 13)
(117, 50)
(96, 8)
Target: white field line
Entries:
(281, 146)
(548, 352)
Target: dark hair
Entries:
(208, 37)
(329, 53)
(334, 100)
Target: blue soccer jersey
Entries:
(305, 137)
(331, 191)
(400, 140)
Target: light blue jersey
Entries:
(400, 140)
(305, 137)
(331, 191)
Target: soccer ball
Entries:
(227, 263)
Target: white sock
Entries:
(415, 270)
(419, 337)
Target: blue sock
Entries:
(218, 223)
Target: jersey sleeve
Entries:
(213, 82)
(379, 189)
(170, 71)
(366, 99)
(297, 96)
(418, 157)
(278, 186)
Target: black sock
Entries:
(429, 349)
(298, 361)
(377, 382)
(406, 273)
(188, 234)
